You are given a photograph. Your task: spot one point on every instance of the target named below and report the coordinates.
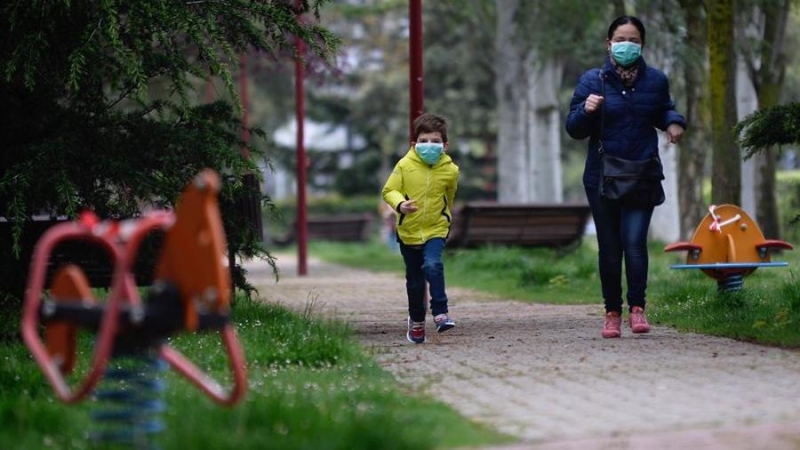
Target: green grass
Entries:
(310, 386)
(374, 256)
(538, 275)
(766, 311)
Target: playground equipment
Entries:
(727, 246)
(191, 292)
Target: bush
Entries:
(788, 197)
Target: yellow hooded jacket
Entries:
(434, 189)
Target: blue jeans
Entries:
(424, 263)
(391, 240)
(621, 232)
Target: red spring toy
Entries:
(191, 292)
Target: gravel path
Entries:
(544, 374)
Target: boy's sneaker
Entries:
(612, 328)
(416, 332)
(443, 323)
(638, 321)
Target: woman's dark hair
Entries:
(622, 20)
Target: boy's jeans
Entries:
(424, 263)
(621, 232)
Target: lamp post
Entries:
(415, 79)
(415, 62)
(302, 163)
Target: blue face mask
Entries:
(430, 152)
(625, 53)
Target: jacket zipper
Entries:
(425, 204)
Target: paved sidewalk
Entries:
(544, 374)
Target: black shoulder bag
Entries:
(632, 183)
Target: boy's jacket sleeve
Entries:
(451, 192)
(393, 189)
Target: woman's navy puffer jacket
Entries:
(630, 115)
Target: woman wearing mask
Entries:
(621, 105)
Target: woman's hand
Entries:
(592, 103)
(674, 133)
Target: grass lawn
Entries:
(311, 386)
(766, 311)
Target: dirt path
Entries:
(544, 374)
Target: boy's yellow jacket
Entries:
(434, 189)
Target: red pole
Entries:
(415, 62)
(415, 74)
(302, 226)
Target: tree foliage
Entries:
(99, 102)
(779, 125)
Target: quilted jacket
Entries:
(631, 116)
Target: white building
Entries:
(317, 137)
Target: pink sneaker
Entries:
(612, 326)
(638, 321)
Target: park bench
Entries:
(559, 226)
(93, 259)
(335, 227)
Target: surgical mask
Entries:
(625, 53)
(430, 152)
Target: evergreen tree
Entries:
(99, 108)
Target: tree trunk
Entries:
(766, 185)
(726, 162)
(692, 154)
(618, 7)
(512, 107)
(746, 103)
(529, 128)
(544, 134)
(768, 82)
(666, 218)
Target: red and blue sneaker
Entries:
(443, 323)
(416, 332)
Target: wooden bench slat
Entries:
(94, 260)
(338, 227)
(526, 225)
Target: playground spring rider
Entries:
(191, 291)
(728, 246)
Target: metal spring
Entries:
(731, 283)
(130, 401)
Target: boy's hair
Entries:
(430, 123)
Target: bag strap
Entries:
(602, 110)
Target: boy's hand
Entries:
(408, 206)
